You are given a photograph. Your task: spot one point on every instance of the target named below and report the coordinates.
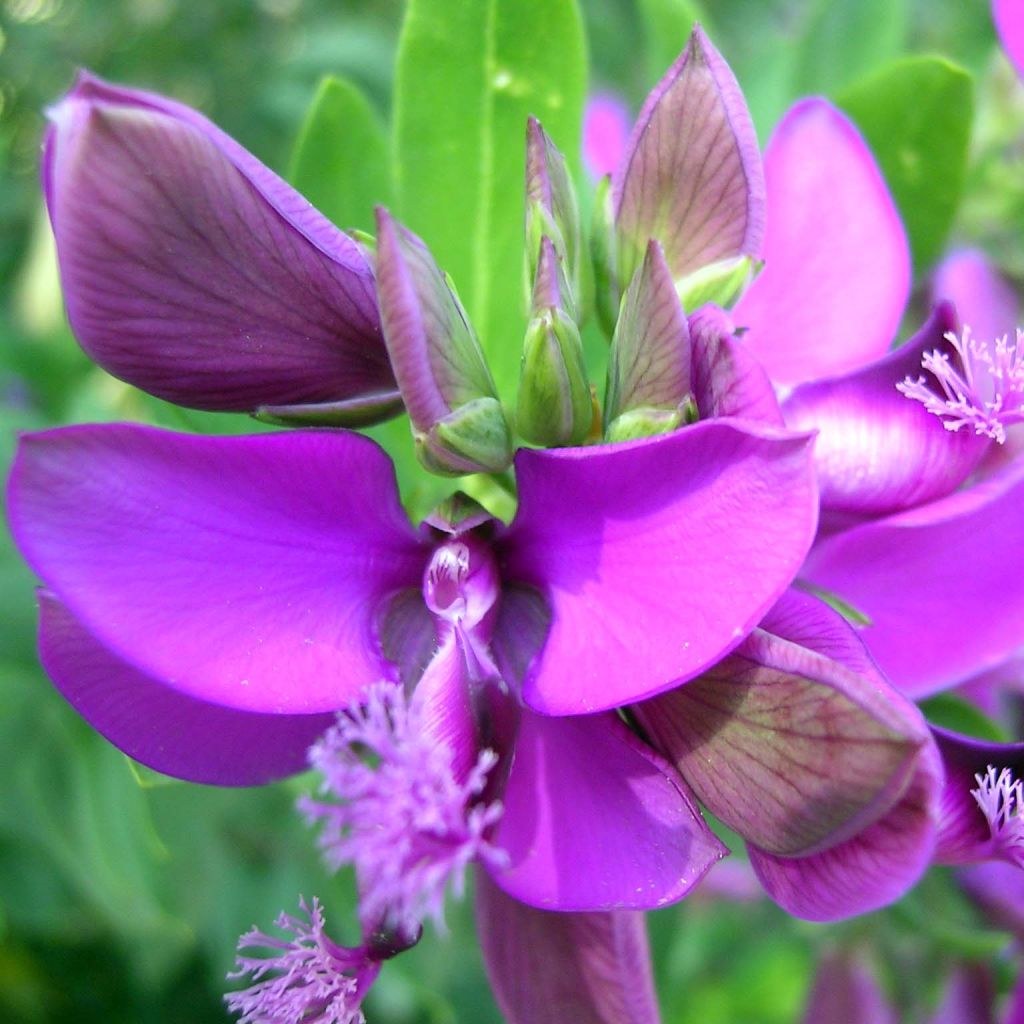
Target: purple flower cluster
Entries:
(549, 699)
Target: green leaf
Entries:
(916, 116)
(469, 74)
(340, 162)
(951, 712)
(842, 41)
(667, 25)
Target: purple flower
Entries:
(541, 699)
(921, 555)
(210, 603)
(192, 271)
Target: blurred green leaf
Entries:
(469, 73)
(952, 712)
(667, 26)
(843, 41)
(340, 162)
(916, 116)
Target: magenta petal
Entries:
(194, 272)
(692, 176)
(163, 728)
(594, 820)
(808, 621)
(868, 871)
(547, 967)
(964, 832)
(877, 450)
(983, 300)
(1009, 18)
(789, 749)
(655, 557)
(837, 264)
(933, 581)
(727, 379)
(244, 571)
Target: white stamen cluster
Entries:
(1001, 799)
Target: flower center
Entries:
(460, 584)
(986, 393)
(1001, 799)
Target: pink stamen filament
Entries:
(988, 394)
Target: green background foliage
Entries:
(122, 894)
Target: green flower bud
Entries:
(474, 438)
(554, 407)
(722, 283)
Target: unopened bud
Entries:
(722, 283)
(649, 368)
(551, 207)
(554, 407)
(457, 421)
(474, 438)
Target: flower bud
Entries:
(551, 209)
(554, 405)
(457, 421)
(649, 368)
(692, 175)
(722, 282)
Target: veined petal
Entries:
(808, 621)
(878, 451)
(649, 364)
(244, 571)
(837, 265)
(1009, 19)
(594, 820)
(691, 176)
(194, 272)
(162, 727)
(727, 379)
(791, 750)
(871, 870)
(983, 300)
(655, 557)
(933, 581)
(547, 967)
(435, 353)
